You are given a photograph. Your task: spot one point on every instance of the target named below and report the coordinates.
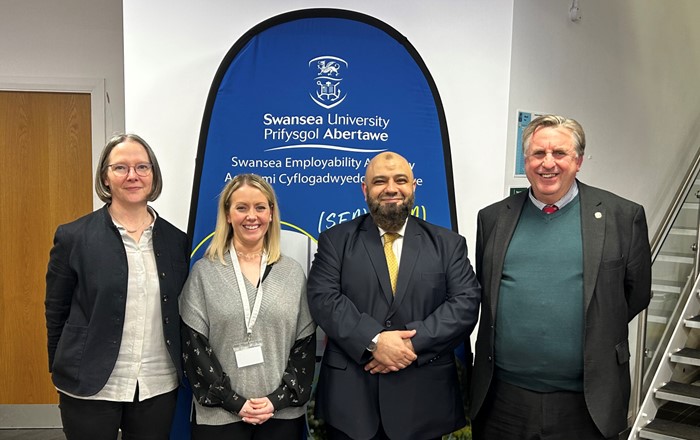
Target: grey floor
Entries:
(31, 434)
(35, 434)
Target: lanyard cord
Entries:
(249, 317)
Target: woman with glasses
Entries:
(112, 317)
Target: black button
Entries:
(167, 320)
(162, 274)
(167, 341)
(387, 323)
(165, 298)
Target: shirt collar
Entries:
(401, 231)
(568, 197)
(154, 215)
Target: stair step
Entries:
(657, 319)
(666, 286)
(680, 392)
(687, 356)
(690, 232)
(676, 257)
(663, 302)
(659, 429)
(693, 322)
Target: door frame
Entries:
(94, 86)
(48, 415)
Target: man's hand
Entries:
(257, 411)
(394, 352)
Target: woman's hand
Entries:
(257, 411)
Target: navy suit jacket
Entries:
(86, 285)
(616, 287)
(350, 298)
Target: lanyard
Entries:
(249, 318)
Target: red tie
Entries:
(549, 209)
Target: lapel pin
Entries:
(598, 215)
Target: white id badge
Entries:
(249, 355)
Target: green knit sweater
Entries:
(539, 324)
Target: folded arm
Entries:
(295, 389)
(211, 386)
(337, 315)
(453, 321)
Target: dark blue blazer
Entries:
(86, 285)
(616, 287)
(350, 298)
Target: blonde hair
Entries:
(223, 234)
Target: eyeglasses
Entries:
(122, 169)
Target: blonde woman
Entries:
(248, 336)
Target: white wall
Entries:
(173, 48)
(628, 72)
(67, 39)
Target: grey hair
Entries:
(556, 121)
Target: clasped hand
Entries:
(257, 411)
(394, 352)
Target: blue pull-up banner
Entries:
(306, 99)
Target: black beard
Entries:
(392, 216)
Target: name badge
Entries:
(246, 357)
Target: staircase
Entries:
(671, 410)
(671, 407)
(672, 277)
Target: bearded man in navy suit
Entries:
(389, 371)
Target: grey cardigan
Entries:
(211, 305)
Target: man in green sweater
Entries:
(564, 267)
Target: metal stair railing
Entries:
(671, 409)
(643, 349)
(668, 355)
(655, 355)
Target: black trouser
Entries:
(272, 429)
(336, 434)
(101, 419)
(513, 413)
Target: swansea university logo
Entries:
(328, 74)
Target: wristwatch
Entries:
(373, 344)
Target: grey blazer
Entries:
(616, 284)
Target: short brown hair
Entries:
(103, 191)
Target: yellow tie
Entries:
(389, 238)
